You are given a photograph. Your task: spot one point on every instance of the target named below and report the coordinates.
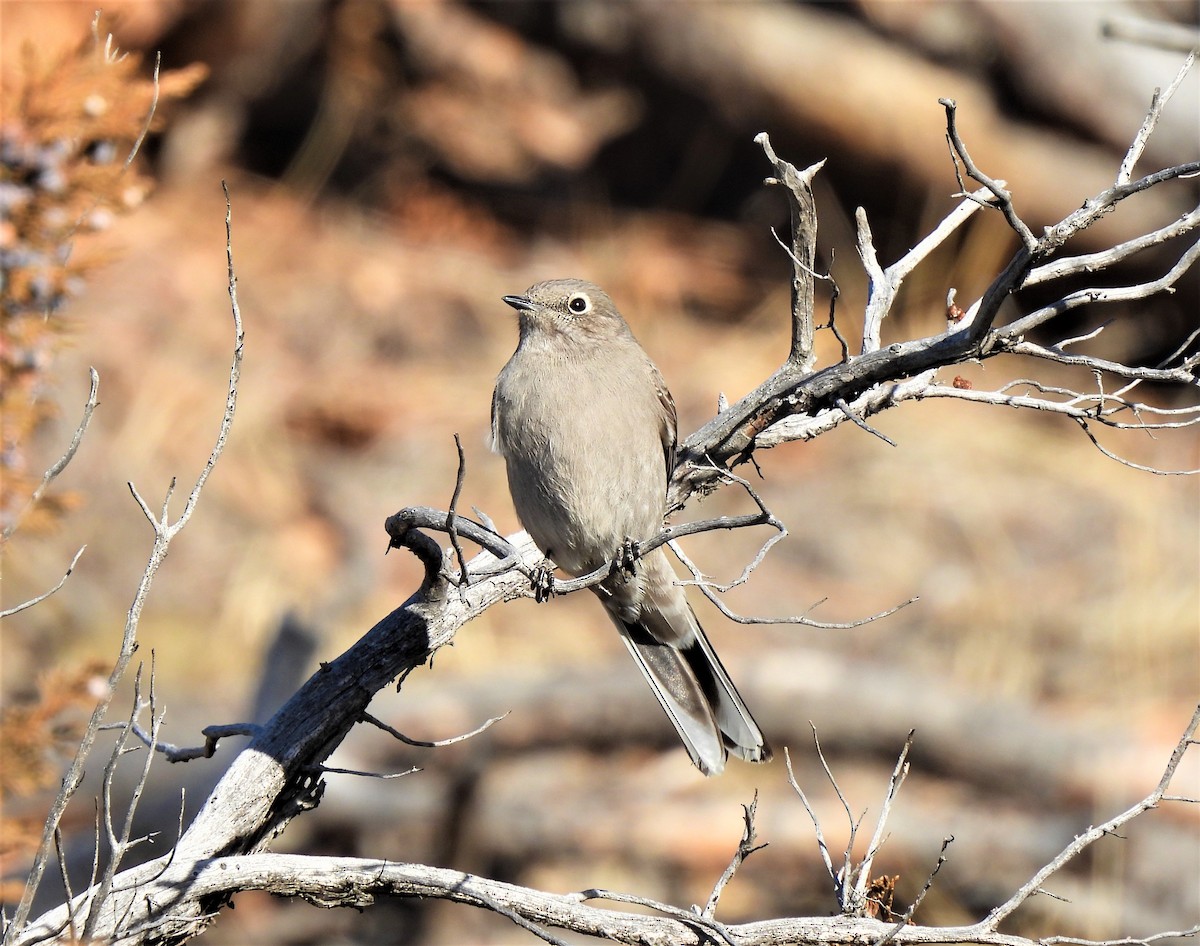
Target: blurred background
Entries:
(395, 167)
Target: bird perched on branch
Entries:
(587, 429)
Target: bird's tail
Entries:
(697, 695)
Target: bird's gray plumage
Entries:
(587, 429)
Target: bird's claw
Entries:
(625, 561)
(541, 580)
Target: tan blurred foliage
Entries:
(68, 122)
(36, 738)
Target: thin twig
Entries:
(906, 919)
(899, 773)
(846, 872)
(332, 770)
(464, 577)
(164, 533)
(66, 880)
(745, 848)
(1003, 197)
(1158, 101)
(1096, 832)
(834, 293)
(687, 917)
(173, 753)
(1083, 424)
(116, 850)
(710, 591)
(61, 463)
(141, 138)
(434, 743)
(859, 422)
(822, 847)
(45, 594)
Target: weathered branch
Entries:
(343, 881)
(164, 532)
(803, 251)
(357, 882)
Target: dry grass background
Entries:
(1060, 592)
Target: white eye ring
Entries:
(579, 304)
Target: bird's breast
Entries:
(584, 457)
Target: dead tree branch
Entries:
(164, 532)
(180, 891)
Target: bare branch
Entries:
(906, 918)
(1078, 406)
(1090, 296)
(899, 773)
(1179, 375)
(435, 743)
(688, 917)
(880, 292)
(7, 612)
(862, 424)
(173, 753)
(1129, 463)
(385, 776)
(1095, 833)
(1003, 197)
(464, 577)
(163, 536)
(803, 251)
(745, 848)
(822, 847)
(1157, 103)
(709, 590)
(971, 204)
(66, 880)
(1124, 941)
(1103, 259)
(61, 463)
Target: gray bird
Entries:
(586, 426)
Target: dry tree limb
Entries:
(179, 891)
(173, 753)
(164, 532)
(802, 251)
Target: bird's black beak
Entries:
(520, 303)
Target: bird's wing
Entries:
(667, 420)
(495, 441)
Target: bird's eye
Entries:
(579, 303)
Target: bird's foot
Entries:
(625, 561)
(541, 580)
